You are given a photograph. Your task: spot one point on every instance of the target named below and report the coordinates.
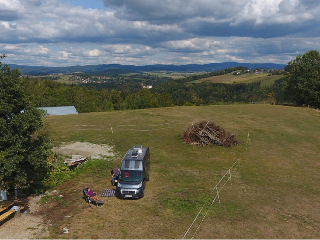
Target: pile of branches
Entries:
(206, 133)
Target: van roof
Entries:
(135, 153)
(133, 158)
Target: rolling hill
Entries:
(93, 69)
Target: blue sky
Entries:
(95, 4)
(144, 32)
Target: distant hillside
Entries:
(105, 68)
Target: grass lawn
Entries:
(274, 192)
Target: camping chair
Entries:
(98, 203)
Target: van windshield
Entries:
(130, 176)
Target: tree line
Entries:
(46, 93)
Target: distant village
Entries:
(101, 79)
(269, 71)
(92, 79)
(98, 80)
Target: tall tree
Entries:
(23, 147)
(303, 79)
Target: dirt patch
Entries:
(85, 149)
(26, 226)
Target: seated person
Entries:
(115, 176)
(92, 195)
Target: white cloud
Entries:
(10, 10)
(25, 49)
(93, 53)
(64, 54)
(186, 45)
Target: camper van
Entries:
(134, 172)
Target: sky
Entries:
(146, 32)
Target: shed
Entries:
(63, 110)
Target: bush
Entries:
(61, 173)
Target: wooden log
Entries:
(207, 133)
(7, 215)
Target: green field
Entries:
(264, 78)
(274, 191)
(60, 78)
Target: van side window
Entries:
(137, 164)
(127, 163)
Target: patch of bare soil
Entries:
(85, 149)
(26, 226)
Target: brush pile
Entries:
(206, 133)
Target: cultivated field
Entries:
(274, 191)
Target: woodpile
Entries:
(206, 133)
(75, 161)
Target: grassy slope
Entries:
(274, 193)
(243, 78)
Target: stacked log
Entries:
(206, 133)
(75, 160)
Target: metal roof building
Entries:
(63, 110)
